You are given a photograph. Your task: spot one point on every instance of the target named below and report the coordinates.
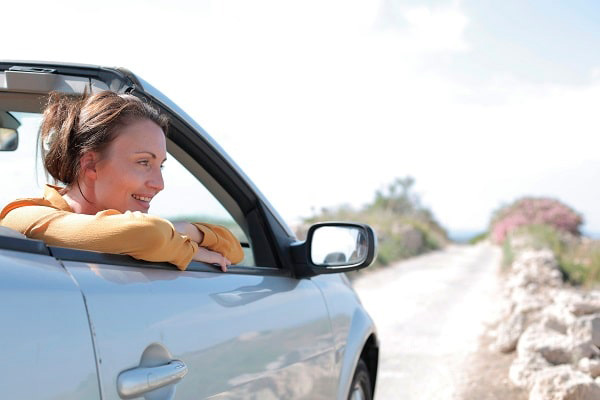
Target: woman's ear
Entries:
(87, 163)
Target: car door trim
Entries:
(88, 256)
(24, 245)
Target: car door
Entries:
(45, 338)
(253, 332)
(241, 335)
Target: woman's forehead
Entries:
(141, 137)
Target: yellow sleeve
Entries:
(139, 235)
(220, 239)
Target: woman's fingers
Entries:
(227, 264)
(212, 257)
(224, 263)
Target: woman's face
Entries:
(128, 174)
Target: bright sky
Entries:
(322, 102)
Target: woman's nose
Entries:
(156, 182)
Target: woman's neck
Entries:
(79, 203)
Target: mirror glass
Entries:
(338, 246)
(9, 139)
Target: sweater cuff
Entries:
(220, 239)
(209, 238)
(182, 262)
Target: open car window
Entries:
(184, 198)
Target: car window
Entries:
(184, 198)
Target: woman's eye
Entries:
(144, 162)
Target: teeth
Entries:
(142, 198)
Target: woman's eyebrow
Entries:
(149, 152)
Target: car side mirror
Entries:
(9, 137)
(333, 247)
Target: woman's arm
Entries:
(216, 238)
(185, 228)
(202, 254)
(139, 235)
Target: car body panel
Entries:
(47, 348)
(351, 326)
(237, 334)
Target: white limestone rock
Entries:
(509, 332)
(584, 304)
(564, 383)
(589, 366)
(581, 332)
(524, 368)
(553, 346)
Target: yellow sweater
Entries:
(139, 235)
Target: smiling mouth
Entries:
(141, 198)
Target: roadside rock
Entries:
(509, 332)
(590, 367)
(564, 383)
(585, 304)
(553, 346)
(560, 316)
(527, 290)
(554, 329)
(582, 332)
(535, 269)
(523, 370)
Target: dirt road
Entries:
(430, 311)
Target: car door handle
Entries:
(137, 381)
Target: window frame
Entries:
(213, 171)
(94, 257)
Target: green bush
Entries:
(403, 226)
(508, 254)
(578, 258)
(478, 238)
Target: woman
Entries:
(108, 150)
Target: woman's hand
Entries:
(203, 254)
(211, 257)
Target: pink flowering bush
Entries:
(534, 211)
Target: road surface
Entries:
(429, 312)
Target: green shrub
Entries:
(478, 238)
(403, 226)
(578, 258)
(508, 254)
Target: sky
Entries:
(323, 102)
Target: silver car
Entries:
(283, 324)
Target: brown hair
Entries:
(74, 125)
